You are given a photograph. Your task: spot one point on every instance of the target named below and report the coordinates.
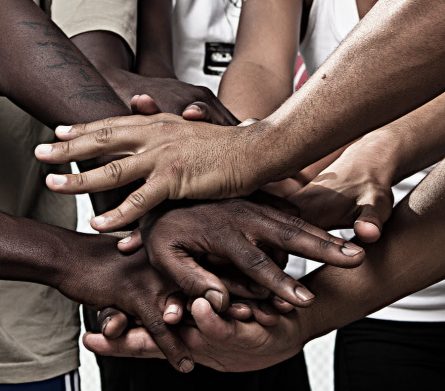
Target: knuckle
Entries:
(257, 262)
(113, 170)
(157, 327)
(137, 200)
(65, 147)
(189, 284)
(80, 180)
(103, 136)
(289, 233)
(297, 222)
(325, 244)
(205, 91)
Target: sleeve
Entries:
(80, 16)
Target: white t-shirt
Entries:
(330, 22)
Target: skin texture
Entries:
(204, 162)
(239, 232)
(153, 70)
(260, 77)
(407, 258)
(68, 78)
(355, 190)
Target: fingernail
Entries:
(303, 294)
(63, 129)
(216, 298)
(240, 306)
(350, 251)
(193, 107)
(105, 323)
(100, 220)
(125, 240)
(44, 149)
(186, 365)
(58, 180)
(172, 309)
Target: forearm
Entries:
(249, 90)
(155, 45)
(413, 142)
(407, 258)
(341, 103)
(36, 252)
(260, 76)
(66, 88)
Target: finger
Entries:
(136, 343)
(136, 205)
(209, 322)
(174, 309)
(197, 111)
(265, 314)
(301, 224)
(281, 305)
(303, 239)
(240, 285)
(112, 322)
(103, 142)
(131, 243)
(146, 105)
(133, 104)
(168, 341)
(193, 279)
(69, 132)
(248, 122)
(372, 215)
(260, 268)
(240, 311)
(112, 175)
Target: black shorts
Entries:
(375, 355)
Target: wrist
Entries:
(269, 158)
(381, 151)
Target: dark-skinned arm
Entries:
(408, 257)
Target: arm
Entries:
(409, 257)
(66, 86)
(260, 76)
(337, 105)
(64, 260)
(355, 190)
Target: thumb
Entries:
(197, 111)
(144, 104)
(372, 215)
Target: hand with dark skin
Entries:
(336, 106)
(407, 258)
(111, 56)
(69, 79)
(90, 270)
(238, 232)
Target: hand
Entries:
(103, 277)
(187, 243)
(194, 103)
(354, 191)
(175, 158)
(223, 344)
